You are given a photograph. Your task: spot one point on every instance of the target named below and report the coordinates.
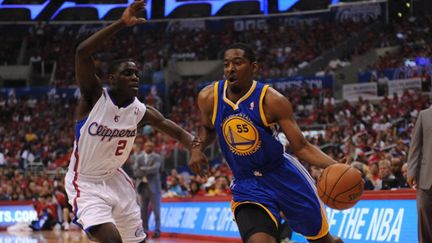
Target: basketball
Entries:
(340, 186)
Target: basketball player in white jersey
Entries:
(102, 195)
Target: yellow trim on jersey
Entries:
(324, 227)
(261, 107)
(229, 102)
(234, 205)
(215, 100)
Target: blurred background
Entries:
(356, 72)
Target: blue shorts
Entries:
(288, 189)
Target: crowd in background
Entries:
(374, 135)
(36, 136)
(281, 49)
(412, 39)
(407, 41)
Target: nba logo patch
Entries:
(252, 105)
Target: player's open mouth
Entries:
(134, 86)
(232, 80)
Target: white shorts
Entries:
(108, 201)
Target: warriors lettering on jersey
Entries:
(241, 134)
(103, 131)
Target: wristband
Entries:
(196, 142)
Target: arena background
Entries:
(356, 72)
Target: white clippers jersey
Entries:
(104, 139)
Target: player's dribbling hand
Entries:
(129, 16)
(198, 163)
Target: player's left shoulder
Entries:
(275, 105)
(273, 96)
(140, 105)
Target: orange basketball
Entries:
(340, 186)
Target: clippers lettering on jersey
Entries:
(241, 135)
(105, 132)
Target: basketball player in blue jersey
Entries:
(101, 193)
(243, 113)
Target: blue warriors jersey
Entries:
(264, 174)
(246, 139)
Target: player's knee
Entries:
(104, 233)
(328, 238)
(255, 225)
(261, 237)
(105, 237)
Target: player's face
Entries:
(238, 70)
(127, 78)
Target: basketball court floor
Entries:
(70, 237)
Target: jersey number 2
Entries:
(120, 146)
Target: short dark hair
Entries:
(248, 52)
(116, 63)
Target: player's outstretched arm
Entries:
(86, 77)
(278, 109)
(198, 162)
(154, 118)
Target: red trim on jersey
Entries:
(74, 182)
(127, 178)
